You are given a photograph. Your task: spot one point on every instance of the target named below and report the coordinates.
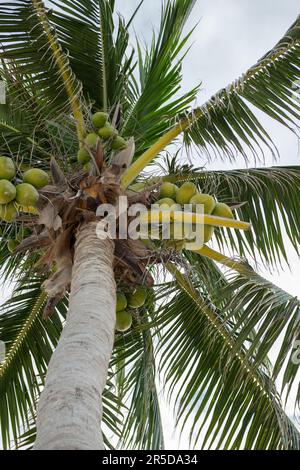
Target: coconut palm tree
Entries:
(69, 380)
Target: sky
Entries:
(230, 37)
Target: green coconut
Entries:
(83, 156)
(8, 212)
(206, 200)
(99, 119)
(7, 168)
(123, 321)
(118, 143)
(23, 232)
(7, 192)
(91, 140)
(167, 201)
(107, 131)
(12, 245)
(209, 231)
(121, 302)
(137, 298)
(37, 177)
(185, 193)
(222, 210)
(168, 190)
(27, 195)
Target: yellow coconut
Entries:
(123, 321)
(37, 177)
(27, 195)
(7, 168)
(121, 302)
(185, 193)
(222, 210)
(7, 192)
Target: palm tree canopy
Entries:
(207, 332)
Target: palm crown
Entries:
(205, 331)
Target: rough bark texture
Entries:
(70, 409)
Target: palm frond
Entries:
(226, 126)
(29, 344)
(134, 361)
(154, 106)
(221, 396)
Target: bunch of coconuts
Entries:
(134, 300)
(14, 192)
(103, 130)
(173, 197)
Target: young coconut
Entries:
(185, 193)
(123, 321)
(83, 156)
(222, 210)
(26, 195)
(206, 200)
(7, 192)
(168, 190)
(8, 212)
(99, 119)
(121, 302)
(12, 245)
(37, 177)
(107, 131)
(91, 140)
(7, 168)
(138, 298)
(118, 143)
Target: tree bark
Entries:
(70, 406)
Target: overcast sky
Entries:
(231, 36)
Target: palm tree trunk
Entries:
(70, 408)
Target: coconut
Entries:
(185, 193)
(24, 232)
(206, 200)
(99, 119)
(12, 245)
(8, 212)
(27, 195)
(38, 178)
(222, 210)
(83, 156)
(7, 168)
(166, 202)
(168, 190)
(7, 192)
(91, 140)
(138, 298)
(118, 143)
(123, 321)
(107, 131)
(209, 231)
(121, 302)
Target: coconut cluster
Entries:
(15, 192)
(125, 302)
(104, 132)
(174, 197)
